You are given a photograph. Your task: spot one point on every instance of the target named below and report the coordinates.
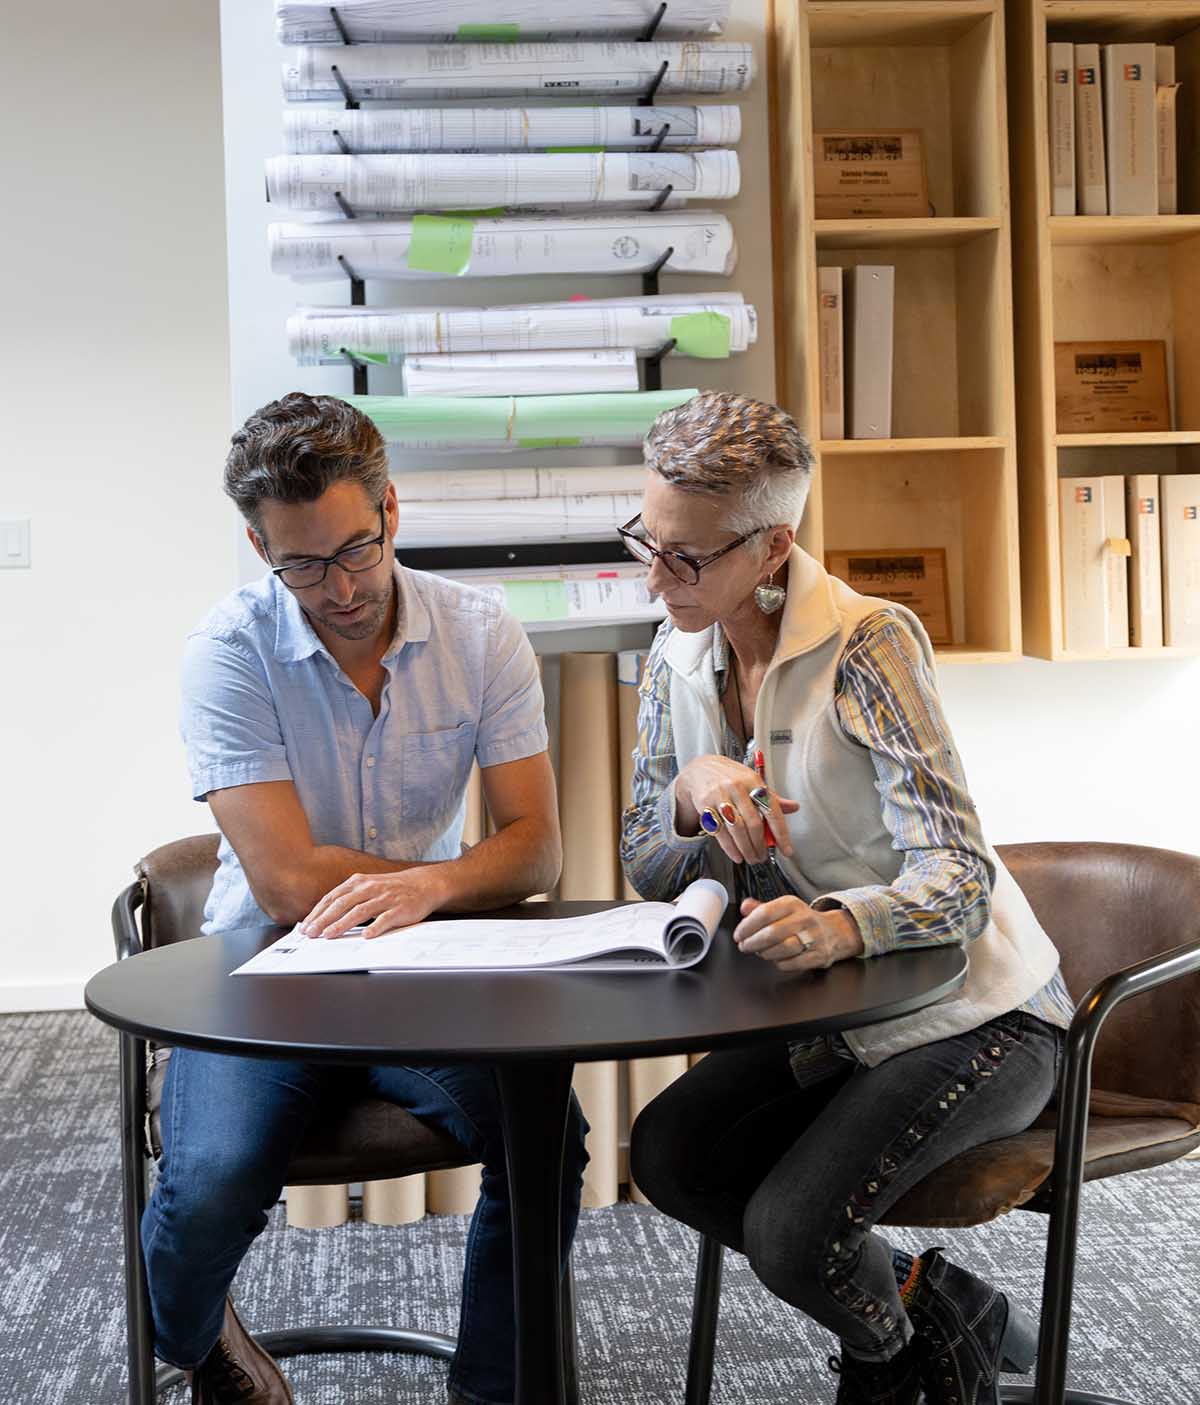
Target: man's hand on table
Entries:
(385, 901)
(791, 934)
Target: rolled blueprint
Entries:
(452, 181)
(453, 484)
(397, 72)
(520, 422)
(476, 373)
(472, 521)
(309, 131)
(699, 242)
(441, 21)
(321, 336)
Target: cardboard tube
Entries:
(630, 663)
(589, 776)
(452, 1192)
(317, 1206)
(397, 1201)
(596, 1087)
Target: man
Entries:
(331, 713)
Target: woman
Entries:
(769, 675)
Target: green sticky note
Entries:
(536, 600)
(547, 443)
(561, 149)
(704, 334)
(441, 243)
(490, 33)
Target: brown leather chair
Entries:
(368, 1140)
(1126, 921)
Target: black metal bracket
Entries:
(341, 141)
(648, 96)
(341, 28)
(650, 275)
(659, 139)
(652, 366)
(652, 28)
(347, 96)
(661, 198)
(358, 298)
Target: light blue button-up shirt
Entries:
(264, 700)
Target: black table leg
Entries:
(534, 1099)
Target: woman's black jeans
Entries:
(796, 1177)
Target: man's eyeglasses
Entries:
(683, 567)
(360, 556)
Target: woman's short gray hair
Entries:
(728, 445)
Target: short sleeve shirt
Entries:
(264, 700)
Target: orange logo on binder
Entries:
(1083, 495)
(1087, 76)
(1190, 514)
(1133, 72)
(1146, 507)
(1062, 75)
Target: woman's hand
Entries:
(709, 782)
(385, 900)
(789, 933)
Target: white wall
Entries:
(118, 415)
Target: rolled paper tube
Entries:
(709, 821)
(728, 813)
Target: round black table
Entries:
(533, 1026)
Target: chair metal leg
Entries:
(706, 1305)
(139, 1324)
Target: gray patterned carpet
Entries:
(62, 1323)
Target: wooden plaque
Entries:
(869, 175)
(1110, 386)
(911, 576)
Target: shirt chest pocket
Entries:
(437, 766)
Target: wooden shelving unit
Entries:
(948, 476)
(1092, 277)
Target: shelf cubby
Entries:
(1093, 278)
(946, 476)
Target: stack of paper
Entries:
(397, 72)
(448, 181)
(439, 21)
(483, 520)
(708, 325)
(520, 372)
(550, 596)
(429, 247)
(442, 485)
(309, 131)
(520, 422)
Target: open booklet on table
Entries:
(638, 936)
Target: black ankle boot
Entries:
(894, 1382)
(967, 1333)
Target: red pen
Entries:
(768, 837)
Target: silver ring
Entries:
(805, 941)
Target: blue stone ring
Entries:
(709, 822)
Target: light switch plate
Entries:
(14, 543)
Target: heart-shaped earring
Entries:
(769, 597)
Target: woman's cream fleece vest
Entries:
(838, 833)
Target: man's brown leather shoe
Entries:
(237, 1371)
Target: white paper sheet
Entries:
(520, 372)
(449, 181)
(441, 485)
(699, 241)
(462, 522)
(397, 72)
(636, 936)
(309, 130)
(320, 336)
(440, 21)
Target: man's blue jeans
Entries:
(229, 1128)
